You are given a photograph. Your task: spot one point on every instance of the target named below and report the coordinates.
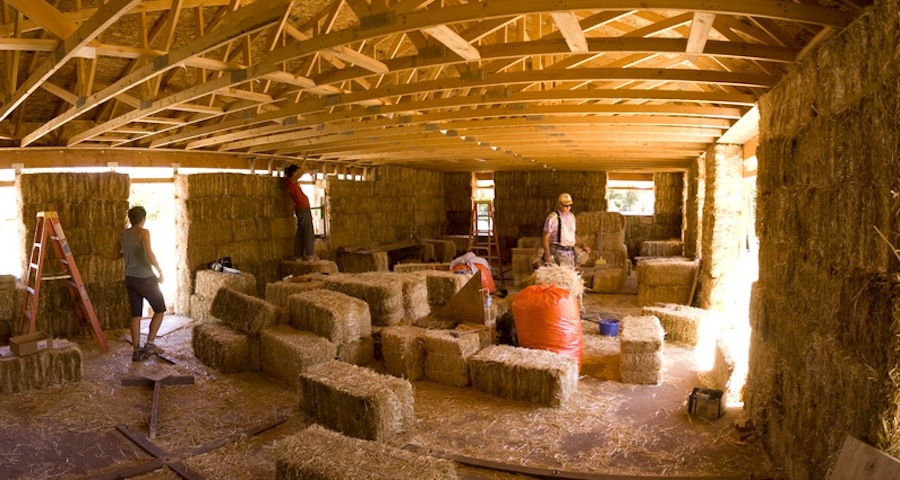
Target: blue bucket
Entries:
(609, 327)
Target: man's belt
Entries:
(565, 249)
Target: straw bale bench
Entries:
(404, 351)
(319, 453)
(421, 267)
(536, 376)
(446, 356)
(208, 282)
(245, 313)
(683, 324)
(641, 344)
(277, 293)
(53, 366)
(221, 347)
(338, 317)
(286, 351)
(356, 401)
(381, 291)
(666, 280)
(301, 267)
(662, 248)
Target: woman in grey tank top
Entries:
(140, 281)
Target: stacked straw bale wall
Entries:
(398, 204)
(522, 201)
(92, 210)
(693, 207)
(458, 203)
(722, 228)
(825, 315)
(668, 206)
(245, 217)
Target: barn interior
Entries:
(734, 167)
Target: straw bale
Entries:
(433, 322)
(244, 312)
(209, 282)
(650, 295)
(53, 366)
(7, 282)
(336, 316)
(356, 401)
(382, 292)
(300, 267)
(684, 324)
(446, 356)
(285, 352)
(667, 272)
(642, 368)
(564, 277)
(484, 333)
(523, 265)
(277, 293)
(444, 250)
(608, 280)
(461, 241)
(662, 248)
(421, 267)
(403, 350)
(359, 352)
(415, 296)
(536, 376)
(11, 302)
(443, 285)
(363, 261)
(642, 334)
(724, 365)
(200, 307)
(530, 243)
(321, 454)
(221, 347)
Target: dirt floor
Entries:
(222, 426)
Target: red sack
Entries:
(548, 318)
(487, 281)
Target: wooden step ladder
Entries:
(483, 240)
(49, 228)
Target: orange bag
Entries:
(548, 318)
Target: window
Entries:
(483, 194)
(314, 188)
(630, 194)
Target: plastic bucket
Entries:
(609, 327)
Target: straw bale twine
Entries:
(446, 356)
(356, 401)
(319, 453)
(443, 285)
(301, 267)
(363, 261)
(421, 267)
(403, 349)
(285, 352)
(336, 316)
(536, 376)
(200, 307)
(210, 281)
(359, 352)
(641, 334)
(444, 250)
(383, 294)
(608, 280)
(662, 248)
(221, 347)
(642, 368)
(277, 293)
(563, 277)
(683, 324)
(54, 366)
(245, 313)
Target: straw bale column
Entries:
(693, 208)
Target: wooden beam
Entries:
(454, 42)
(47, 16)
(700, 28)
(571, 30)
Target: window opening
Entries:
(484, 196)
(314, 189)
(630, 196)
(159, 201)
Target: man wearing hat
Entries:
(559, 238)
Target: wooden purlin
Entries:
(49, 228)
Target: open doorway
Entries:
(158, 198)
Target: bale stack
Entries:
(641, 344)
(245, 217)
(536, 376)
(343, 320)
(683, 324)
(298, 268)
(444, 250)
(277, 293)
(10, 309)
(403, 350)
(446, 356)
(285, 352)
(207, 286)
(92, 209)
(662, 248)
(245, 313)
(53, 366)
(383, 294)
(443, 285)
(319, 453)
(356, 401)
(666, 280)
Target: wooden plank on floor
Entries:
(861, 461)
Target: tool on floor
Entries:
(46, 228)
(157, 382)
